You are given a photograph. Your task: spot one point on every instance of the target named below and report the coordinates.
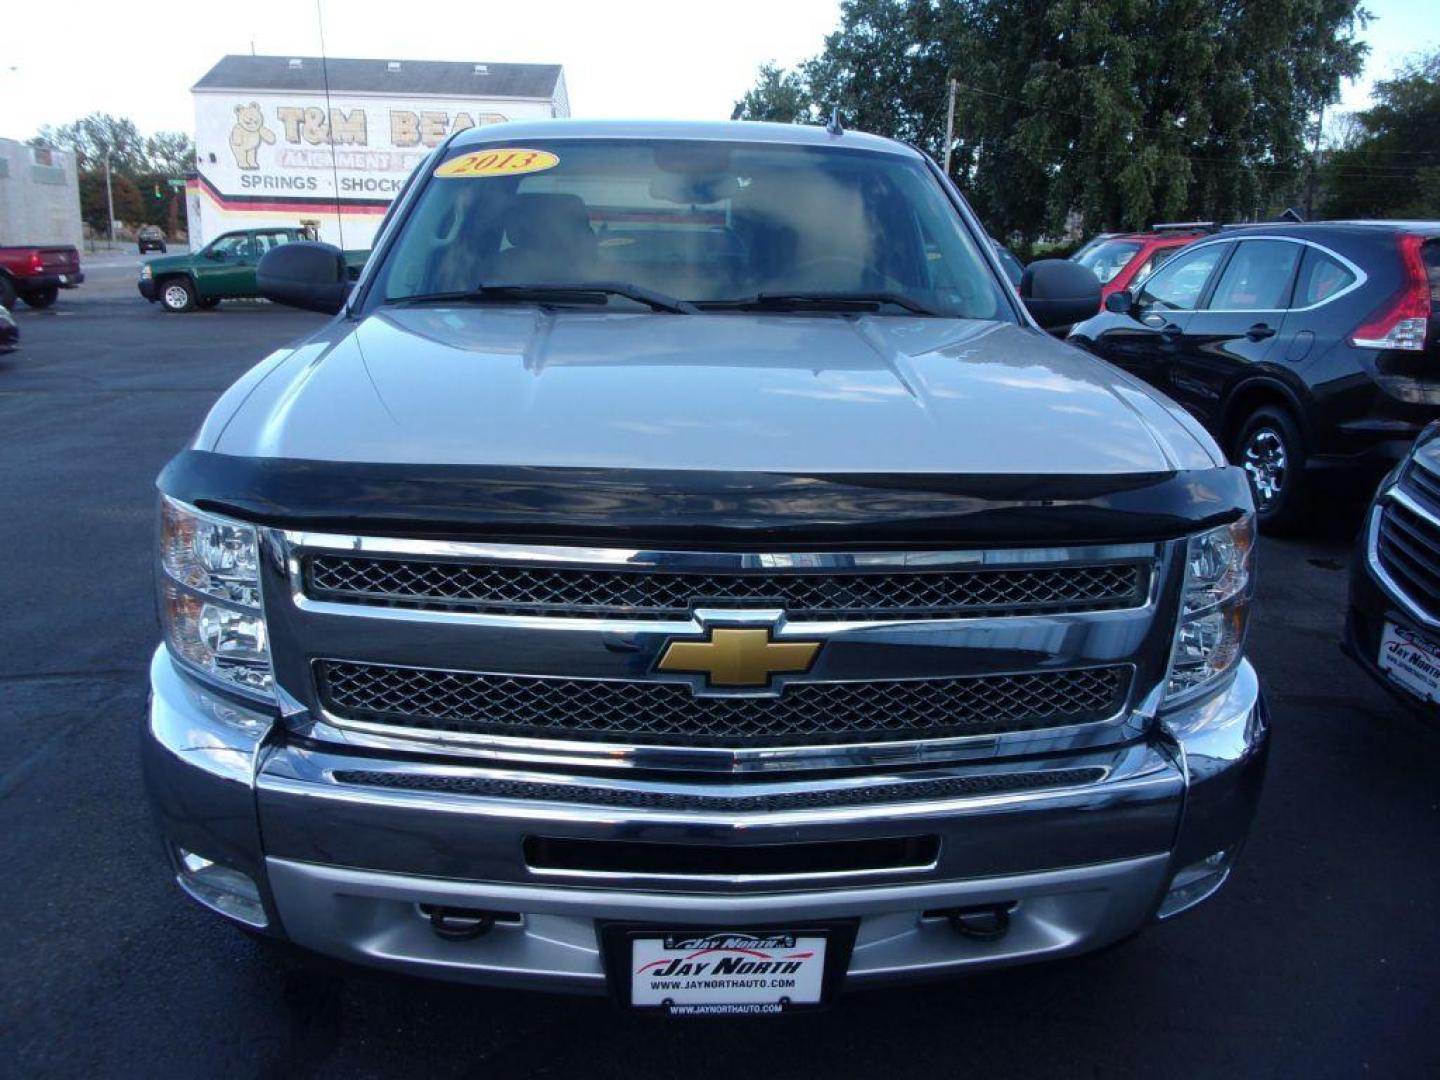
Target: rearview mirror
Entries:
(1120, 302)
(1059, 293)
(304, 274)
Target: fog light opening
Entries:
(221, 888)
(1196, 882)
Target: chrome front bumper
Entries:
(342, 867)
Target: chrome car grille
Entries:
(619, 593)
(669, 714)
(1407, 543)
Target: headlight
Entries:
(146, 273)
(1219, 581)
(210, 597)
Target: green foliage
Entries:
(1123, 112)
(137, 166)
(1390, 167)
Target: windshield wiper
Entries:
(818, 301)
(584, 292)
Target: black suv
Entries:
(150, 238)
(1303, 347)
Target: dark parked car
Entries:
(150, 238)
(1393, 628)
(9, 332)
(1301, 347)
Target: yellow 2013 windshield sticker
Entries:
(510, 162)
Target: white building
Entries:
(271, 150)
(39, 195)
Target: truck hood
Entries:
(721, 392)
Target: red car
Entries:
(1121, 259)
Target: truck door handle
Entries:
(1259, 332)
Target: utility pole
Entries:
(1314, 167)
(109, 200)
(952, 86)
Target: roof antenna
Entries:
(329, 120)
(834, 127)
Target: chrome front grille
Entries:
(552, 656)
(670, 714)
(616, 592)
(1407, 541)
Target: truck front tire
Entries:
(177, 295)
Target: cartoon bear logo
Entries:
(247, 135)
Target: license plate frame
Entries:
(1396, 660)
(618, 955)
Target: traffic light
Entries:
(157, 192)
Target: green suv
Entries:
(223, 269)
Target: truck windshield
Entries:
(680, 226)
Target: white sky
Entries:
(637, 58)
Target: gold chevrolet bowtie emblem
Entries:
(738, 657)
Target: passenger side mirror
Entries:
(1059, 293)
(1120, 302)
(214, 254)
(305, 274)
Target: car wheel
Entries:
(41, 298)
(1272, 453)
(7, 294)
(177, 295)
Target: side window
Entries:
(1321, 277)
(1258, 277)
(1178, 284)
(230, 244)
(1158, 258)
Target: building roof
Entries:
(445, 78)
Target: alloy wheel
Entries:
(1265, 462)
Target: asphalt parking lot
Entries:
(1319, 959)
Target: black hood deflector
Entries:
(657, 508)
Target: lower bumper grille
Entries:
(668, 713)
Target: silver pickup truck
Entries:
(685, 569)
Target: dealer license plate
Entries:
(1412, 660)
(727, 972)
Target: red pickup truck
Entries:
(37, 274)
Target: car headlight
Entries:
(146, 273)
(210, 604)
(1215, 607)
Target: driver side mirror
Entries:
(1121, 302)
(1059, 293)
(214, 254)
(304, 274)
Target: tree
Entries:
(99, 136)
(171, 153)
(129, 205)
(1122, 112)
(1391, 167)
